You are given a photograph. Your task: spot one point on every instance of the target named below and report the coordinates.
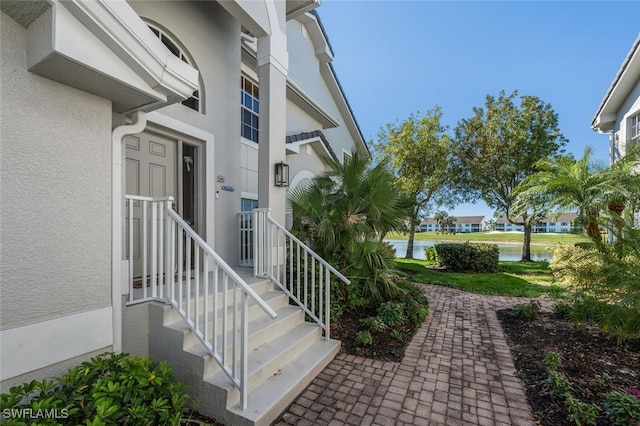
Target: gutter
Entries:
(117, 269)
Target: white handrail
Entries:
(224, 339)
(300, 272)
(227, 269)
(147, 280)
(184, 271)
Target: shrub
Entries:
(431, 254)
(374, 324)
(364, 338)
(618, 320)
(482, 258)
(552, 359)
(526, 312)
(581, 413)
(391, 314)
(623, 407)
(395, 334)
(110, 388)
(562, 310)
(606, 283)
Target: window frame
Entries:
(249, 108)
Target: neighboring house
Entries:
(558, 223)
(462, 224)
(108, 108)
(618, 114)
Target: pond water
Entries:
(510, 252)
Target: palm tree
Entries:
(344, 216)
(583, 185)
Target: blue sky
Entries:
(398, 57)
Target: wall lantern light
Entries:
(282, 174)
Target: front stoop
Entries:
(286, 354)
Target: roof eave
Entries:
(623, 82)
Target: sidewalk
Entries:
(457, 370)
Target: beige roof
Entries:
(562, 217)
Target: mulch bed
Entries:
(384, 347)
(588, 357)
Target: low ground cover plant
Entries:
(383, 330)
(622, 406)
(110, 389)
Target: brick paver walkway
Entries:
(457, 370)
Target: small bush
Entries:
(552, 360)
(602, 382)
(108, 389)
(481, 258)
(562, 310)
(395, 334)
(391, 314)
(431, 254)
(374, 324)
(526, 312)
(364, 338)
(623, 407)
(581, 413)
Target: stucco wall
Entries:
(630, 107)
(211, 37)
(304, 66)
(299, 121)
(305, 69)
(55, 189)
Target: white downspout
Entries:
(139, 124)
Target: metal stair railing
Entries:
(294, 267)
(212, 299)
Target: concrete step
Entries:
(272, 397)
(285, 355)
(270, 358)
(261, 286)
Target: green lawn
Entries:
(513, 279)
(498, 237)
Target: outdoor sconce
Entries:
(282, 174)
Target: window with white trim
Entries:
(194, 101)
(634, 128)
(250, 109)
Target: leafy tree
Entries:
(498, 147)
(418, 152)
(343, 216)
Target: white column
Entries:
(272, 61)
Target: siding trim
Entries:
(50, 342)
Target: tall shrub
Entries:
(343, 217)
(482, 258)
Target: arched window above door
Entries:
(194, 102)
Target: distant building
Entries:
(561, 223)
(462, 224)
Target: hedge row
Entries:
(468, 257)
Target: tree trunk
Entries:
(593, 229)
(526, 243)
(412, 232)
